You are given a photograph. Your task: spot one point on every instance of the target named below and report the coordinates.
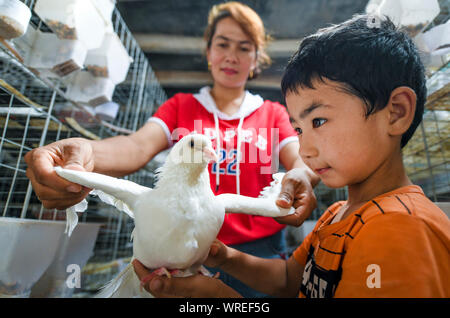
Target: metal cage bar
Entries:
(35, 111)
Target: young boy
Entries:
(355, 93)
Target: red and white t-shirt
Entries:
(265, 130)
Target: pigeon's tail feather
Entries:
(265, 205)
(125, 285)
(111, 288)
(118, 192)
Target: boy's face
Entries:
(337, 141)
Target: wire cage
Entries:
(35, 111)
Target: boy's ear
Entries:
(401, 109)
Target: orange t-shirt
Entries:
(396, 245)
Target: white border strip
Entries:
(164, 127)
(287, 140)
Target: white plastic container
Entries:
(59, 280)
(24, 43)
(107, 111)
(412, 15)
(86, 88)
(110, 60)
(73, 20)
(105, 8)
(14, 18)
(54, 57)
(438, 38)
(27, 249)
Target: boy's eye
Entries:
(298, 131)
(317, 122)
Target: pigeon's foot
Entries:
(162, 271)
(203, 271)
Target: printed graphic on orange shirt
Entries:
(318, 282)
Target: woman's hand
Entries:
(296, 191)
(54, 191)
(193, 286)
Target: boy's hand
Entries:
(192, 286)
(296, 191)
(218, 254)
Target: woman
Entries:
(232, 117)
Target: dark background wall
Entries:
(170, 33)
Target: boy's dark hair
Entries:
(370, 58)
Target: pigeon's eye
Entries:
(191, 144)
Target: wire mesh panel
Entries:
(35, 111)
(427, 154)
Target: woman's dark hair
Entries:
(368, 55)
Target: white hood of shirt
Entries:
(249, 105)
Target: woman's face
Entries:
(232, 54)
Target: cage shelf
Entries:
(35, 110)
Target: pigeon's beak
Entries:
(210, 154)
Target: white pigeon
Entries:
(177, 221)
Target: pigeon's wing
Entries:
(265, 205)
(117, 192)
(235, 203)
